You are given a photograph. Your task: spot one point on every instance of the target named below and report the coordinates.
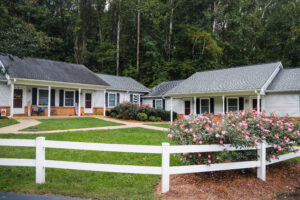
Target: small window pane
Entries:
(204, 106)
(136, 98)
(112, 100)
(158, 104)
(43, 97)
(69, 98)
(232, 105)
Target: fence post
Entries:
(40, 160)
(261, 153)
(165, 186)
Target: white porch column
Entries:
(258, 103)
(104, 106)
(78, 109)
(223, 100)
(171, 111)
(49, 101)
(12, 89)
(195, 100)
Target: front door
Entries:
(18, 101)
(88, 103)
(254, 104)
(187, 107)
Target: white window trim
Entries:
(162, 107)
(65, 98)
(38, 96)
(139, 98)
(108, 99)
(201, 105)
(238, 103)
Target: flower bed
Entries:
(242, 129)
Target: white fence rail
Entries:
(40, 163)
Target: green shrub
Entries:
(119, 117)
(152, 118)
(142, 116)
(163, 114)
(112, 114)
(158, 119)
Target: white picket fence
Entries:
(40, 163)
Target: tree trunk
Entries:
(118, 39)
(171, 29)
(216, 4)
(138, 39)
(114, 21)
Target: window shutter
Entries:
(212, 105)
(76, 97)
(61, 98)
(241, 103)
(153, 103)
(198, 106)
(131, 97)
(106, 99)
(118, 98)
(164, 104)
(53, 97)
(34, 96)
(225, 105)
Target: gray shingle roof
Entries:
(225, 80)
(123, 83)
(161, 89)
(287, 79)
(49, 70)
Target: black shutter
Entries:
(61, 98)
(212, 105)
(131, 97)
(106, 99)
(198, 106)
(153, 103)
(225, 105)
(241, 103)
(76, 97)
(118, 98)
(164, 104)
(34, 96)
(53, 97)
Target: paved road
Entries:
(14, 196)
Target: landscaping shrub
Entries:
(119, 117)
(242, 129)
(158, 119)
(142, 117)
(114, 115)
(152, 118)
(163, 114)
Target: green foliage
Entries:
(142, 116)
(152, 118)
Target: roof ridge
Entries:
(114, 75)
(59, 61)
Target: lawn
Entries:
(163, 125)
(98, 185)
(70, 123)
(7, 122)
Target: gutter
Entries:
(271, 78)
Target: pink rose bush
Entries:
(241, 129)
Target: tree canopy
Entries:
(153, 40)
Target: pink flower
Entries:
(217, 135)
(200, 142)
(186, 130)
(247, 137)
(289, 129)
(276, 136)
(221, 141)
(275, 146)
(223, 132)
(170, 135)
(209, 156)
(191, 129)
(233, 125)
(279, 148)
(190, 156)
(184, 154)
(180, 159)
(199, 154)
(209, 161)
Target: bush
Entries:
(163, 114)
(142, 117)
(114, 115)
(119, 117)
(157, 119)
(243, 129)
(152, 118)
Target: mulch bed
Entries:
(136, 121)
(283, 182)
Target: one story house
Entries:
(157, 99)
(122, 89)
(56, 88)
(264, 87)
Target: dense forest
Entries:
(153, 40)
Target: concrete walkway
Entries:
(15, 196)
(25, 123)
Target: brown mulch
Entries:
(136, 121)
(283, 182)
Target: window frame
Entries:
(201, 105)
(238, 103)
(65, 98)
(139, 98)
(108, 99)
(38, 96)
(161, 103)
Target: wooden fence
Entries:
(40, 163)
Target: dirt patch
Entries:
(283, 182)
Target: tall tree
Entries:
(118, 39)
(138, 38)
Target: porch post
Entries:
(258, 103)
(171, 113)
(195, 100)
(223, 100)
(78, 111)
(49, 101)
(12, 89)
(104, 105)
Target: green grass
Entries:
(163, 125)
(7, 122)
(87, 184)
(70, 123)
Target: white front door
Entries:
(18, 101)
(88, 105)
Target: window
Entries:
(158, 104)
(112, 100)
(18, 98)
(43, 97)
(232, 104)
(136, 98)
(204, 106)
(69, 98)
